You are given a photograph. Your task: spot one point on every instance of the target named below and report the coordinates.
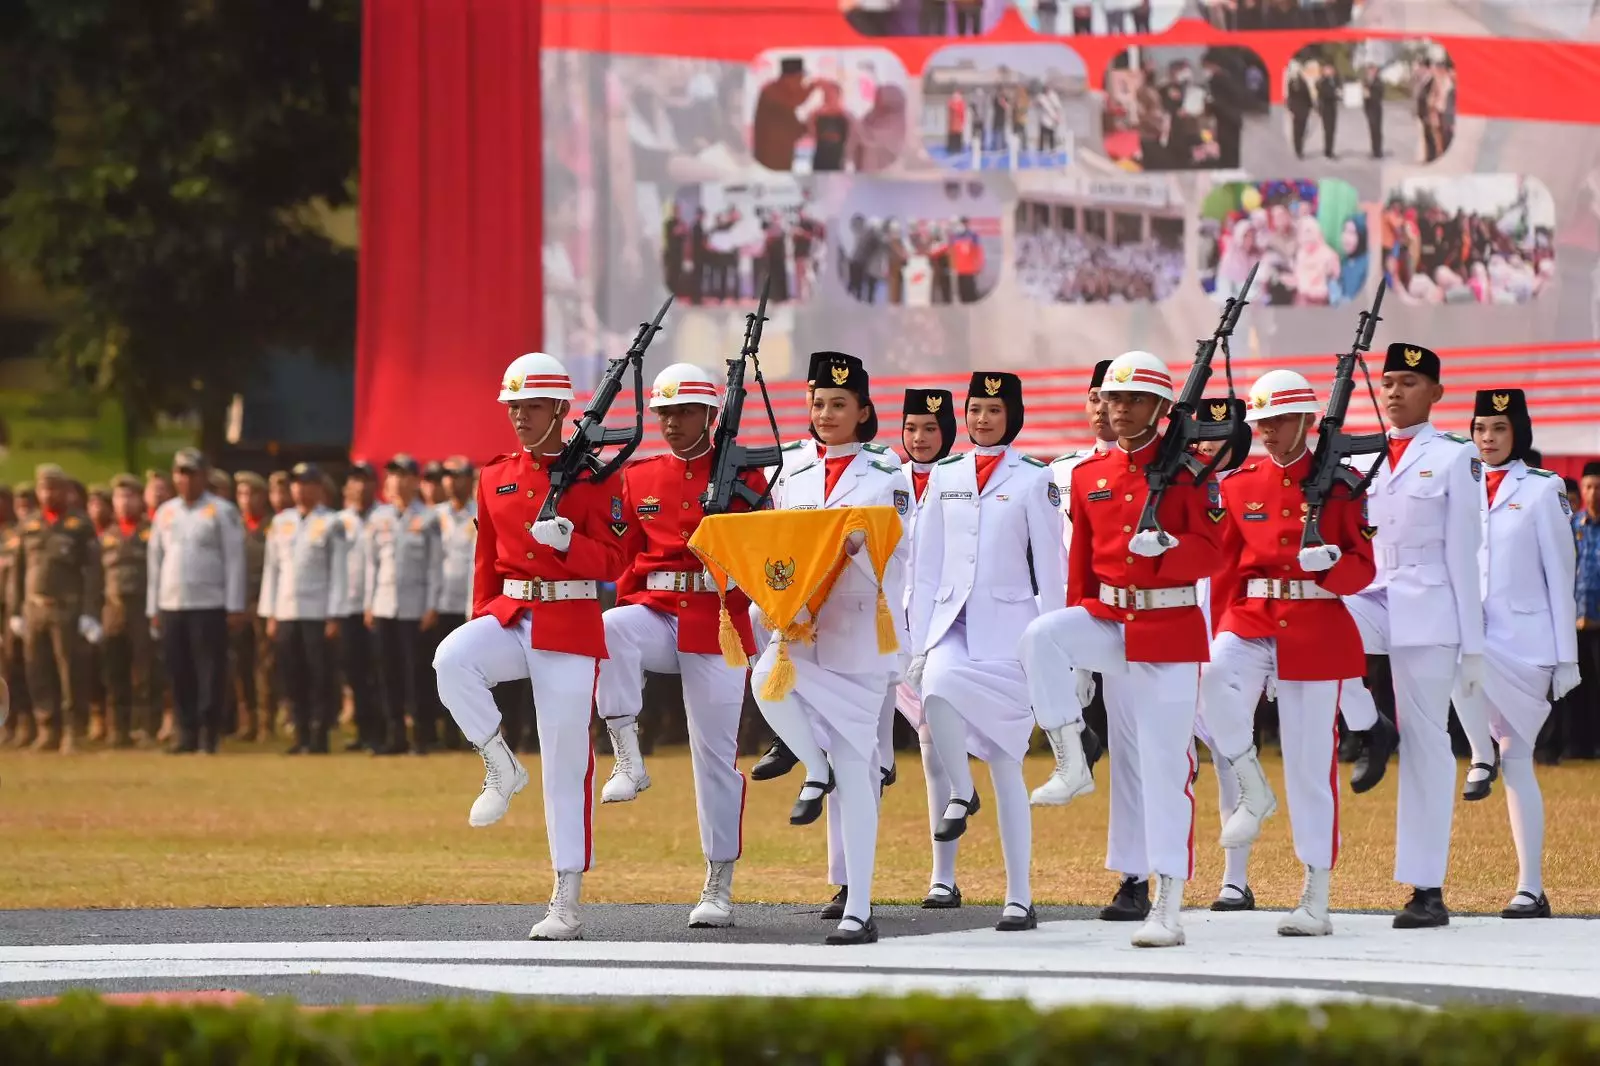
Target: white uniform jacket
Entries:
(846, 640)
(1429, 517)
(1528, 565)
(1061, 473)
(995, 554)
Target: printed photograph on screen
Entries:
(1003, 107)
(1084, 18)
(919, 244)
(1380, 98)
(1098, 240)
(721, 241)
(1183, 107)
(1484, 238)
(923, 18)
(824, 110)
(1234, 15)
(1310, 238)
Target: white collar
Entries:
(920, 468)
(1410, 431)
(838, 451)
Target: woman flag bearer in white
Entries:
(830, 719)
(1529, 568)
(986, 563)
(927, 433)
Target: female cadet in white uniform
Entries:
(1528, 569)
(830, 719)
(986, 563)
(927, 433)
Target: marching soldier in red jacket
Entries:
(666, 621)
(1280, 621)
(536, 614)
(1133, 616)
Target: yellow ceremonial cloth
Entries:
(788, 562)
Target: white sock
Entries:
(1473, 714)
(1525, 806)
(858, 824)
(938, 784)
(790, 721)
(949, 735)
(1015, 817)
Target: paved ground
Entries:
(401, 954)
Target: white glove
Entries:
(89, 628)
(1083, 680)
(1152, 543)
(854, 541)
(1319, 559)
(555, 533)
(1272, 689)
(1471, 675)
(17, 628)
(1566, 680)
(914, 672)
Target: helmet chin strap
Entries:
(555, 422)
(704, 437)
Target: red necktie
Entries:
(919, 483)
(835, 466)
(1397, 448)
(1494, 479)
(986, 465)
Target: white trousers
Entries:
(640, 638)
(1230, 686)
(483, 653)
(1423, 678)
(1150, 715)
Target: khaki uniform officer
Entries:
(56, 593)
(128, 653)
(97, 503)
(254, 677)
(19, 727)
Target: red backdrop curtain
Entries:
(451, 206)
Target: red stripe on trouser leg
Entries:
(744, 790)
(1333, 776)
(588, 782)
(1188, 781)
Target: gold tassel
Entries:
(888, 641)
(764, 622)
(727, 636)
(780, 680)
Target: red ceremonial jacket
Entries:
(661, 500)
(1108, 492)
(511, 489)
(1317, 639)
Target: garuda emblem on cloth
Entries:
(779, 575)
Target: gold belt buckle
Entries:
(681, 581)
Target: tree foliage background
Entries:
(165, 169)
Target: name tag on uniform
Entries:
(1424, 473)
(804, 507)
(1103, 494)
(505, 490)
(955, 495)
(1256, 516)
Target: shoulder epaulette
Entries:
(792, 445)
(1458, 438)
(1031, 461)
(1063, 458)
(877, 448)
(1541, 473)
(506, 457)
(885, 467)
(950, 459)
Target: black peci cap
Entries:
(1411, 359)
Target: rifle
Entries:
(581, 454)
(729, 458)
(1334, 445)
(1177, 455)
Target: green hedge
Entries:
(919, 1031)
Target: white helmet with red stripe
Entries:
(1280, 392)
(534, 376)
(683, 383)
(1138, 372)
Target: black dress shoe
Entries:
(1131, 903)
(950, 829)
(1425, 911)
(357, 745)
(298, 749)
(1527, 905)
(1349, 747)
(834, 910)
(891, 774)
(1381, 741)
(854, 933)
(1094, 749)
(778, 761)
(948, 900)
(1016, 923)
(1246, 902)
(806, 811)
(1477, 790)
(393, 747)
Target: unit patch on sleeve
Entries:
(902, 501)
(1477, 469)
(618, 525)
(1053, 494)
(1214, 508)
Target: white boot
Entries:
(562, 921)
(1310, 918)
(1256, 802)
(503, 778)
(1163, 929)
(628, 778)
(1070, 779)
(715, 909)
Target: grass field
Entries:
(252, 828)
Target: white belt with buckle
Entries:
(679, 581)
(1272, 588)
(1149, 599)
(537, 591)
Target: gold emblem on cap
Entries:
(1219, 411)
(1259, 400)
(1412, 356)
(669, 390)
(991, 386)
(934, 403)
(513, 384)
(1501, 400)
(840, 372)
(779, 575)
(1122, 373)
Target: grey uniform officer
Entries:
(355, 641)
(197, 590)
(458, 513)
(404, 576)
(302, 596)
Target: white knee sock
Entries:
(789, 720)
(938, 782)
(858, 823)
(949, 735)
(1235, 861)
(1473, 715)
(1016, 828)
(1525, 805)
